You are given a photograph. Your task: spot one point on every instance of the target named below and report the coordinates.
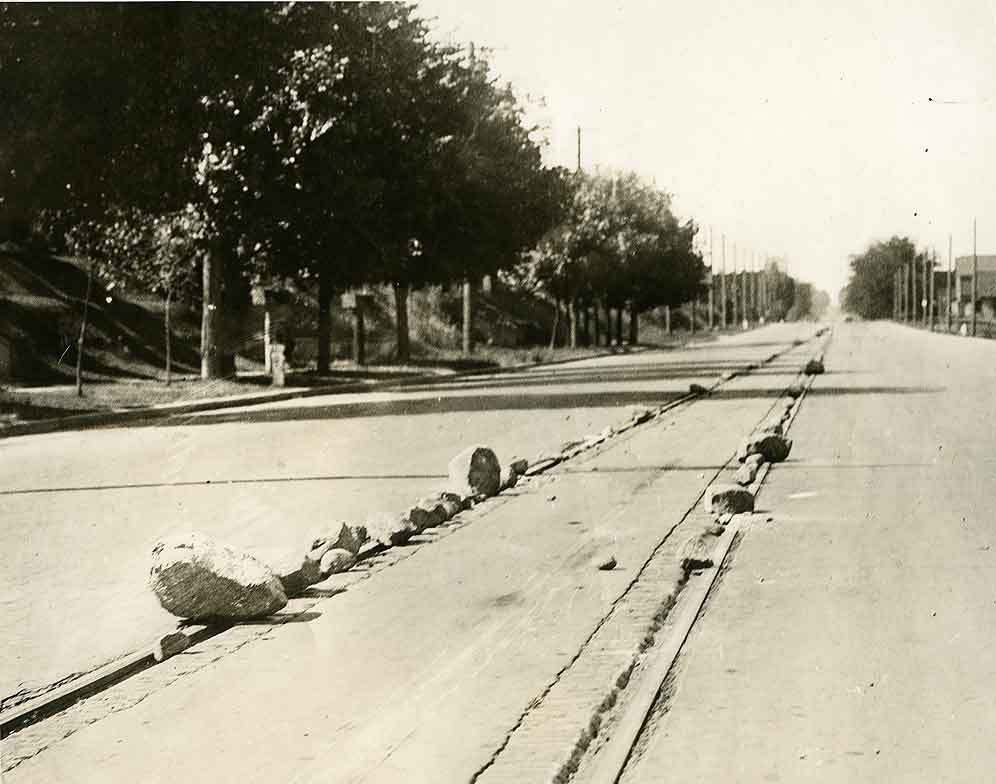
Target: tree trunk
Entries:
(667, 320)
(169, 339)
(587, 325)
(211, 316)
(359, 335)
(556, 324)
(634, 325)
(324, 359)
(82, 338)
(401, 291)
(596, 337)
(468, 318)
(608, 325)
(619, 312)
(691, 320)
(572, 317)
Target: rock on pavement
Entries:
(771, 446)
(391, 529)
(348, 537)
(197, 577)
(475, 472)
(336, 560)
(510, 474)
(723, 498)
(697, 553)
(746, 473)
(308, 572)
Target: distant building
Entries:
(985, 291)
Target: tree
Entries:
(620, 245)
(870, 288)
(131, 248)
(111, 116)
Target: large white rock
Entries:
(197, 577)
(475, 473)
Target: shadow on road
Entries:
(513, 402)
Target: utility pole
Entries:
(975, 278)
(722, 285)
(908, 292)
(736, 291)
(899, 294)
(895, 294)
(930, 290)
(712, 283)
(949, 282)
(911, 291)
(755, 310)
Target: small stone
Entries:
(745, 474)
(723, 498)
(197, 577)
(170, 645)
(696, 553)
(427, 512)
(475, 473)
(697, 389)
(772, 447)
(814, 367)
(391, 529)
(510, 474)
(296, 580)
(452, 504)
(351, 537)
(605, 563)
(794, 391)
(336, 561)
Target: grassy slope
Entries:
(41, 304)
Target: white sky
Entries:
(800, 129)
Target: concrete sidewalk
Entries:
(853, 638)
(145, 414)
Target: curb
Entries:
(162, 411)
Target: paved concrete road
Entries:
(81, 510)
(420, 672)
(854, 639)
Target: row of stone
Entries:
(722, 500)
(198, 578)
(768, 444)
